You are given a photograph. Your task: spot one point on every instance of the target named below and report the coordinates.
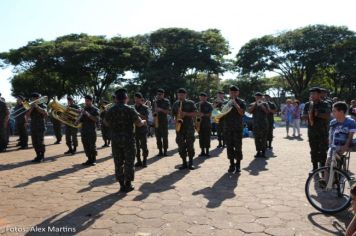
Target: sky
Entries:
(22, 21)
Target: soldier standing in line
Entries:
(141, 132)
(270, 116)
(4, 120)
(220, 102)
(259, 110)
(316, 111)
(71, 132)
(38, 115)
(204, 113)
(21, 124)
(184, 111)
(88, 118)
(105, 131)
(232, 129)
(121, 119)
(161, 109)
(57, 130)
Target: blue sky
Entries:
(239, 20)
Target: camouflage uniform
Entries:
(270, 117)
(162, 131)
(260, 127)
(105, 131)
(21, 128)
(232, 128)
(71, 134)
(4, 112)
(185, 137)
(88, 133)
(141, 136)
(205, 124)
(38, 128)
(57, 129)
(318, 133)
(220, 129)
(121, 119)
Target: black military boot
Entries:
(232, 166)
(184, 165)
(263, 154)
(202, 152)
(74, 150)
(238, 166)
(220, 144)
(109, 141)
(315, 166)
(70, 151)
(207, 152)
(36, 158)
(122, 186)
(128, 186)
(258, 154)
(105, 144)
(270, 144)
(138, 162)
(144, 162)
(165, 153)
(160, 154)
(191, 167)
(41, 157)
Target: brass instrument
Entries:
(179, 118)
(155, 115)
(27, 106)
(67, 115)
(311, 113)
(225, 110)
(198, 119)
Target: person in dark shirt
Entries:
(141, 132)
(21, 124)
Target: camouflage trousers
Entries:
(260, 133)
(204, 135)
(270, 131)
(3, 138)
(185, 140)
(318, 142)
(162, 137)
(141, 143)
(233, 141)
(37, 138)
(57, 129)
(123, 152)
(89, 144)
(105, 132)
(71, 136)
(23, 135)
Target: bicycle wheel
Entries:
(328, 200)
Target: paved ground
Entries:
(266, 199)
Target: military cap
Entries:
(89, 97)
(160, 90)
(138, 95)
(315, 89)
(234, 88)
(258, 94)
(182, 90)
(35, 95)
(203, 94)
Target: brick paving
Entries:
(267, 198)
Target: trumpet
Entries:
(179, 118)
(198, 119)
(27, 106)
(155, 115)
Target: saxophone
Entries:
(311, 113)
(179, 118)
(155, 115)
(198, 119)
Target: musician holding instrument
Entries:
(220, 103)
(161, 109)
(88, 118)
(70, 131)
(4, 120)
(184, 111)
(38, 114)
(21, 124)
(105, 131)
(260, 109)
(317, 112)
(232, 129)
(270, 116)
(203, 123)
(141, 132)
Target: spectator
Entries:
(296, 118)
(287, 114)
(352, 109)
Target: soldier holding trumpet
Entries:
(317, 112)
(203, 123)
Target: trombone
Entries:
(27, 106)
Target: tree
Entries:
(294, 55)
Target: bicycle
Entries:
(328, 188)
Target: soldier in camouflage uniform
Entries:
(71, 132)
(4, 119)
(57, 129)
(185, 136)
(259, 110)
(270, 116)
(89, 117)
(38, 115)
(316, 111)
(220, 102)
(233, 127)
(105, 131)
(161, 108)
(204, 111)
(324, 97)
(141, 132)
(21, 124)
(121, 118)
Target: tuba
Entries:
(311, 113)
(225, 110)
(67, 115)
(27, 105)
(198, 119)
(155, 115)
(179, 118)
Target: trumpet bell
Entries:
(66, 115)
